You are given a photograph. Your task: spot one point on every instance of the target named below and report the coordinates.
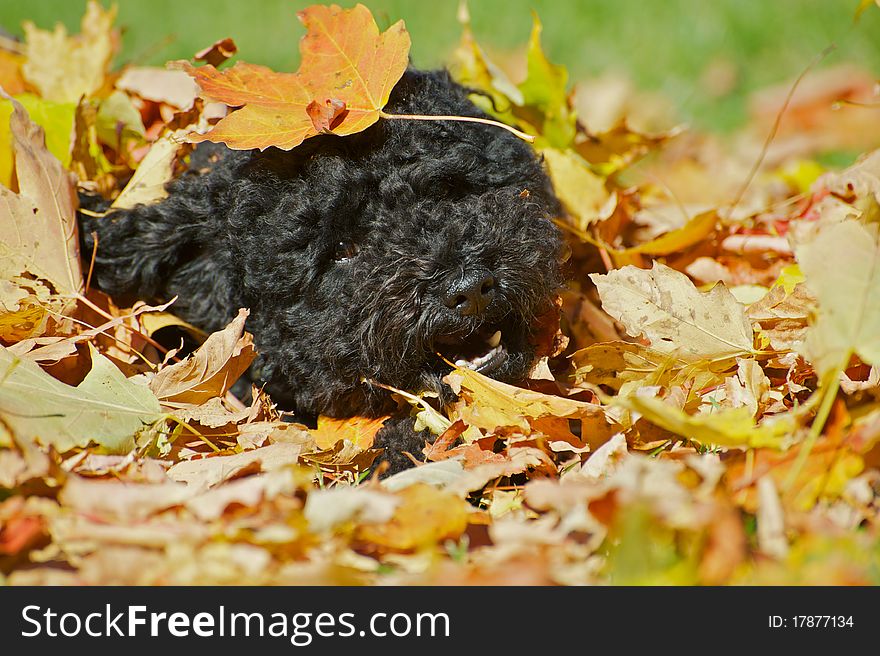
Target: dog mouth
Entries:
(483, 350)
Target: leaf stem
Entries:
(465, 119)
(830, 394)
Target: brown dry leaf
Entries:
(218, 52)
(328, 509)
(211, 370)
(23, 463)
(248, 492)
(618, 147)
(693, 232)
(38, 232)
(54, 348)
(64, 68)
(214, 413)
(25, 307)
(19, 531)
(861, 180)
(426, 516)
(782, 317)
(614, 364)
(343, 456)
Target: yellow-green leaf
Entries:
(545, 89)
(581, 191)
(105, 407)
(733, 427)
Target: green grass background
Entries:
(660, 44)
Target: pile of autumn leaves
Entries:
(678, 431)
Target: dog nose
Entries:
(472, 293)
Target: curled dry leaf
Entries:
(38, 232)
(326, 115)
(211, 370)
(218, 52)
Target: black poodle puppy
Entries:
(366, 258)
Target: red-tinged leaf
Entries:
(19, 533)
(268, 100)
(344, 58)
(344, 53)
(327, 115)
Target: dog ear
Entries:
(155, 252)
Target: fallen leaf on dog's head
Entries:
(663, 305)
(38, 232)
(211, 370)
(344, 58)
(105, 407)
(64, 68)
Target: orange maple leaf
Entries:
(346, 62)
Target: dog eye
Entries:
(345, 250)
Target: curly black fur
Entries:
(355, 254)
